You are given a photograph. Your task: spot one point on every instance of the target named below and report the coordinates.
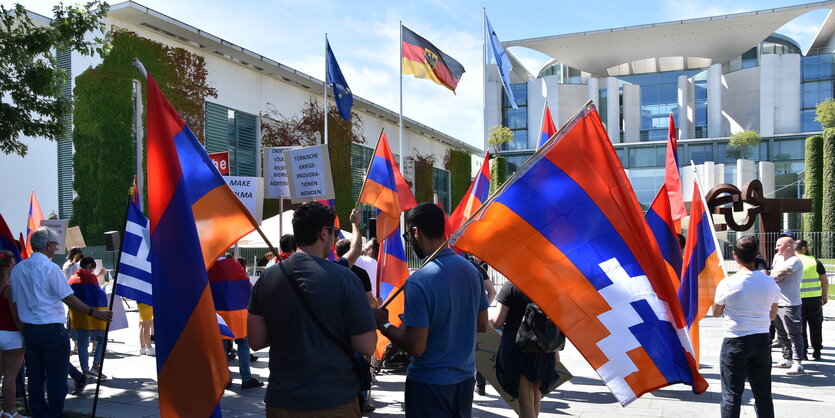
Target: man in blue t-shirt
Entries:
(445, 306)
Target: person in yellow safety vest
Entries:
(814, 288)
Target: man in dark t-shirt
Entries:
(308, 371)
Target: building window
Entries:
(818, 85)
(700, 153)
(515, 161)
(517, 119)
(659, 98)
(441, 186)
(360, 160)
(647, 156)
(234, 131)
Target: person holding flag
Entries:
(85, 285)
(445, 305)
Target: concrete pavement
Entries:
(131, 389)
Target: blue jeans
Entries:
(428, 400)
(84, 336)
(47, 361)
(243, 359)
(741, 357)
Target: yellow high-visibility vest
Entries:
(810, 285)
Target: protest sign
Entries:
(60, 227)
(250, 191)
(309, 171)
(275, 173)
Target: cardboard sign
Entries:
(275, 173)
(74, 238)
(250, 192)
(221, 161)
(309, 171)
(60, 227)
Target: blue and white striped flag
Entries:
(134, 279)
(224, 329)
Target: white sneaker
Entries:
(796, 370)
(143, 351)
(785, 364)
(151, 352)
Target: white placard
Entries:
(250, 191)
(309, 170)
(60, 227)
(275, 173)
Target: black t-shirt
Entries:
(821, 269)
(365, 279)
(307, 370)
(516, 301)
(760, 264)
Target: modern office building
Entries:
(717, 75)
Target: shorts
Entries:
(10, 340)
(146, 312)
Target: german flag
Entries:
(423, 60)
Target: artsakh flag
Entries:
(7, 240)
(572, 216)
(672, 179)
(34, 220)
(477, 194)
(194, 216)
(548, 128)
(424, 60)
(663, 228)
(386, 189)
(230, 291)
(392, 272)
(702, 267)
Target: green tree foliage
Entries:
(306, 129)
(828, 198)
(104, 160)
(29, 72)
(459, 164)
(499, 135)
(742, 143)
(825, 111)
(424, 178)
(498, 173)
(814, 183)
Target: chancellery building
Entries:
(717, 75)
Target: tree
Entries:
(459, 164)
(499, 135)
(29, 71)
(422, 165)
(825, 111)
(814, 182)
(498, 171)
(742, 143)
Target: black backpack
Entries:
(537, 334)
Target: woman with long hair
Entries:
(11, 342)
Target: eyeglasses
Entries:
(407, 236)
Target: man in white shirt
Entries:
(787, 271)
(748, 300)
(40, 291)
(368, 262)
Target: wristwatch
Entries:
(386, 327)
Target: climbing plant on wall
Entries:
(814, 182)
(421, 165)
(459, 164)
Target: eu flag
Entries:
(341, 91)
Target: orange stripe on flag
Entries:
(396, 307)
(220, 222)
(236, 321)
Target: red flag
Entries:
(548, 128)
(672, 178)
(34, 220)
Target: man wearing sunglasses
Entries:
(445, 306)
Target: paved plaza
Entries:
(131, 389)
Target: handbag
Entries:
(361, 366)
(537, 334)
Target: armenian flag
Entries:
(386, 189)
(476, 195)
(661, 226)
(672, 179)
(194, 216)
(702, 267)
(230, 291)
(7, 240)
(91, 294)
(392, 272)
(424, 60)
(570, 213)
(548, 128)
(34, 220)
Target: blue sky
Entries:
(364, 37)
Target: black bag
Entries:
(361, 366)
(537, 334)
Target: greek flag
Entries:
(134, 279)
(224, 329)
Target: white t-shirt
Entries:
(370, 266)
(790, 286)
(70, 268)
(747, 297)
(38, 289)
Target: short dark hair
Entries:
(287, 244)
(309, 219)
(428, 218)
(747, 248)
(87, 262)
(801, 244)
(342, 246)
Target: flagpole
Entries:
(357, 206)
(325, 136)
(400, 66)
(484, 72)
(110, 306)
